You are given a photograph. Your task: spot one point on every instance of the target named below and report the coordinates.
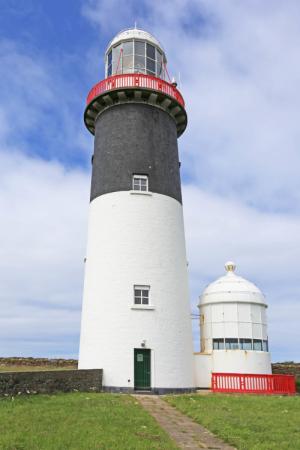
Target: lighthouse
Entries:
(233, 329)
(136, 322)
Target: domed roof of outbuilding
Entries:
(134, 33)
(232, 288)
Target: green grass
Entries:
(245, 421)
(78, 421)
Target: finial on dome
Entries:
(230, 266)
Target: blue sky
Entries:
(240, 72)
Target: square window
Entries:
(141, 295)
(140, 183)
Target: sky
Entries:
(239, 70)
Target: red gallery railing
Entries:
(132, 80)
(253, 383)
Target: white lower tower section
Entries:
(137, 238)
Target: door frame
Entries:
(148, 351)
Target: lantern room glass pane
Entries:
(127, 63)
(128, 48)
(151, 65)
(139, 62)
(139, 48)
(150, 51)
(109, 58)
(116, 52)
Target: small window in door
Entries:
(140, 182)
(141, 295)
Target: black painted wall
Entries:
(134, 138)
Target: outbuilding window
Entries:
(141, 295)
(218, 344)
(265, 346)
(257, 345)
(246, 344)
(140, 182)
(231, 343)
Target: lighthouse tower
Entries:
(136, 317)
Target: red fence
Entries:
(252, 383)
(132, 80)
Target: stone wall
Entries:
(38, 362)
(287, 368)
(49, 381)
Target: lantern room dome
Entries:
(133, 33)
(135, 51)
(232, 288)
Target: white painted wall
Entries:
(136, 238)
(229, 361)
(241, 361)
(202, 369)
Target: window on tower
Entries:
(140, 182)
(141, 295)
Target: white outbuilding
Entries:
(233, 329)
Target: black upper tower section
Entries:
(135, 138)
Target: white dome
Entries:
(134, 33)
(231, 288)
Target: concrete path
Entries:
(183, 430)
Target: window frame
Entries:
(142, 288)
(138, 176)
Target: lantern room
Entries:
(135, 51)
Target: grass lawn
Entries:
(247, 422)
(78, 421)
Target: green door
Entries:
(142, 369)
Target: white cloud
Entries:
(43, 230)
